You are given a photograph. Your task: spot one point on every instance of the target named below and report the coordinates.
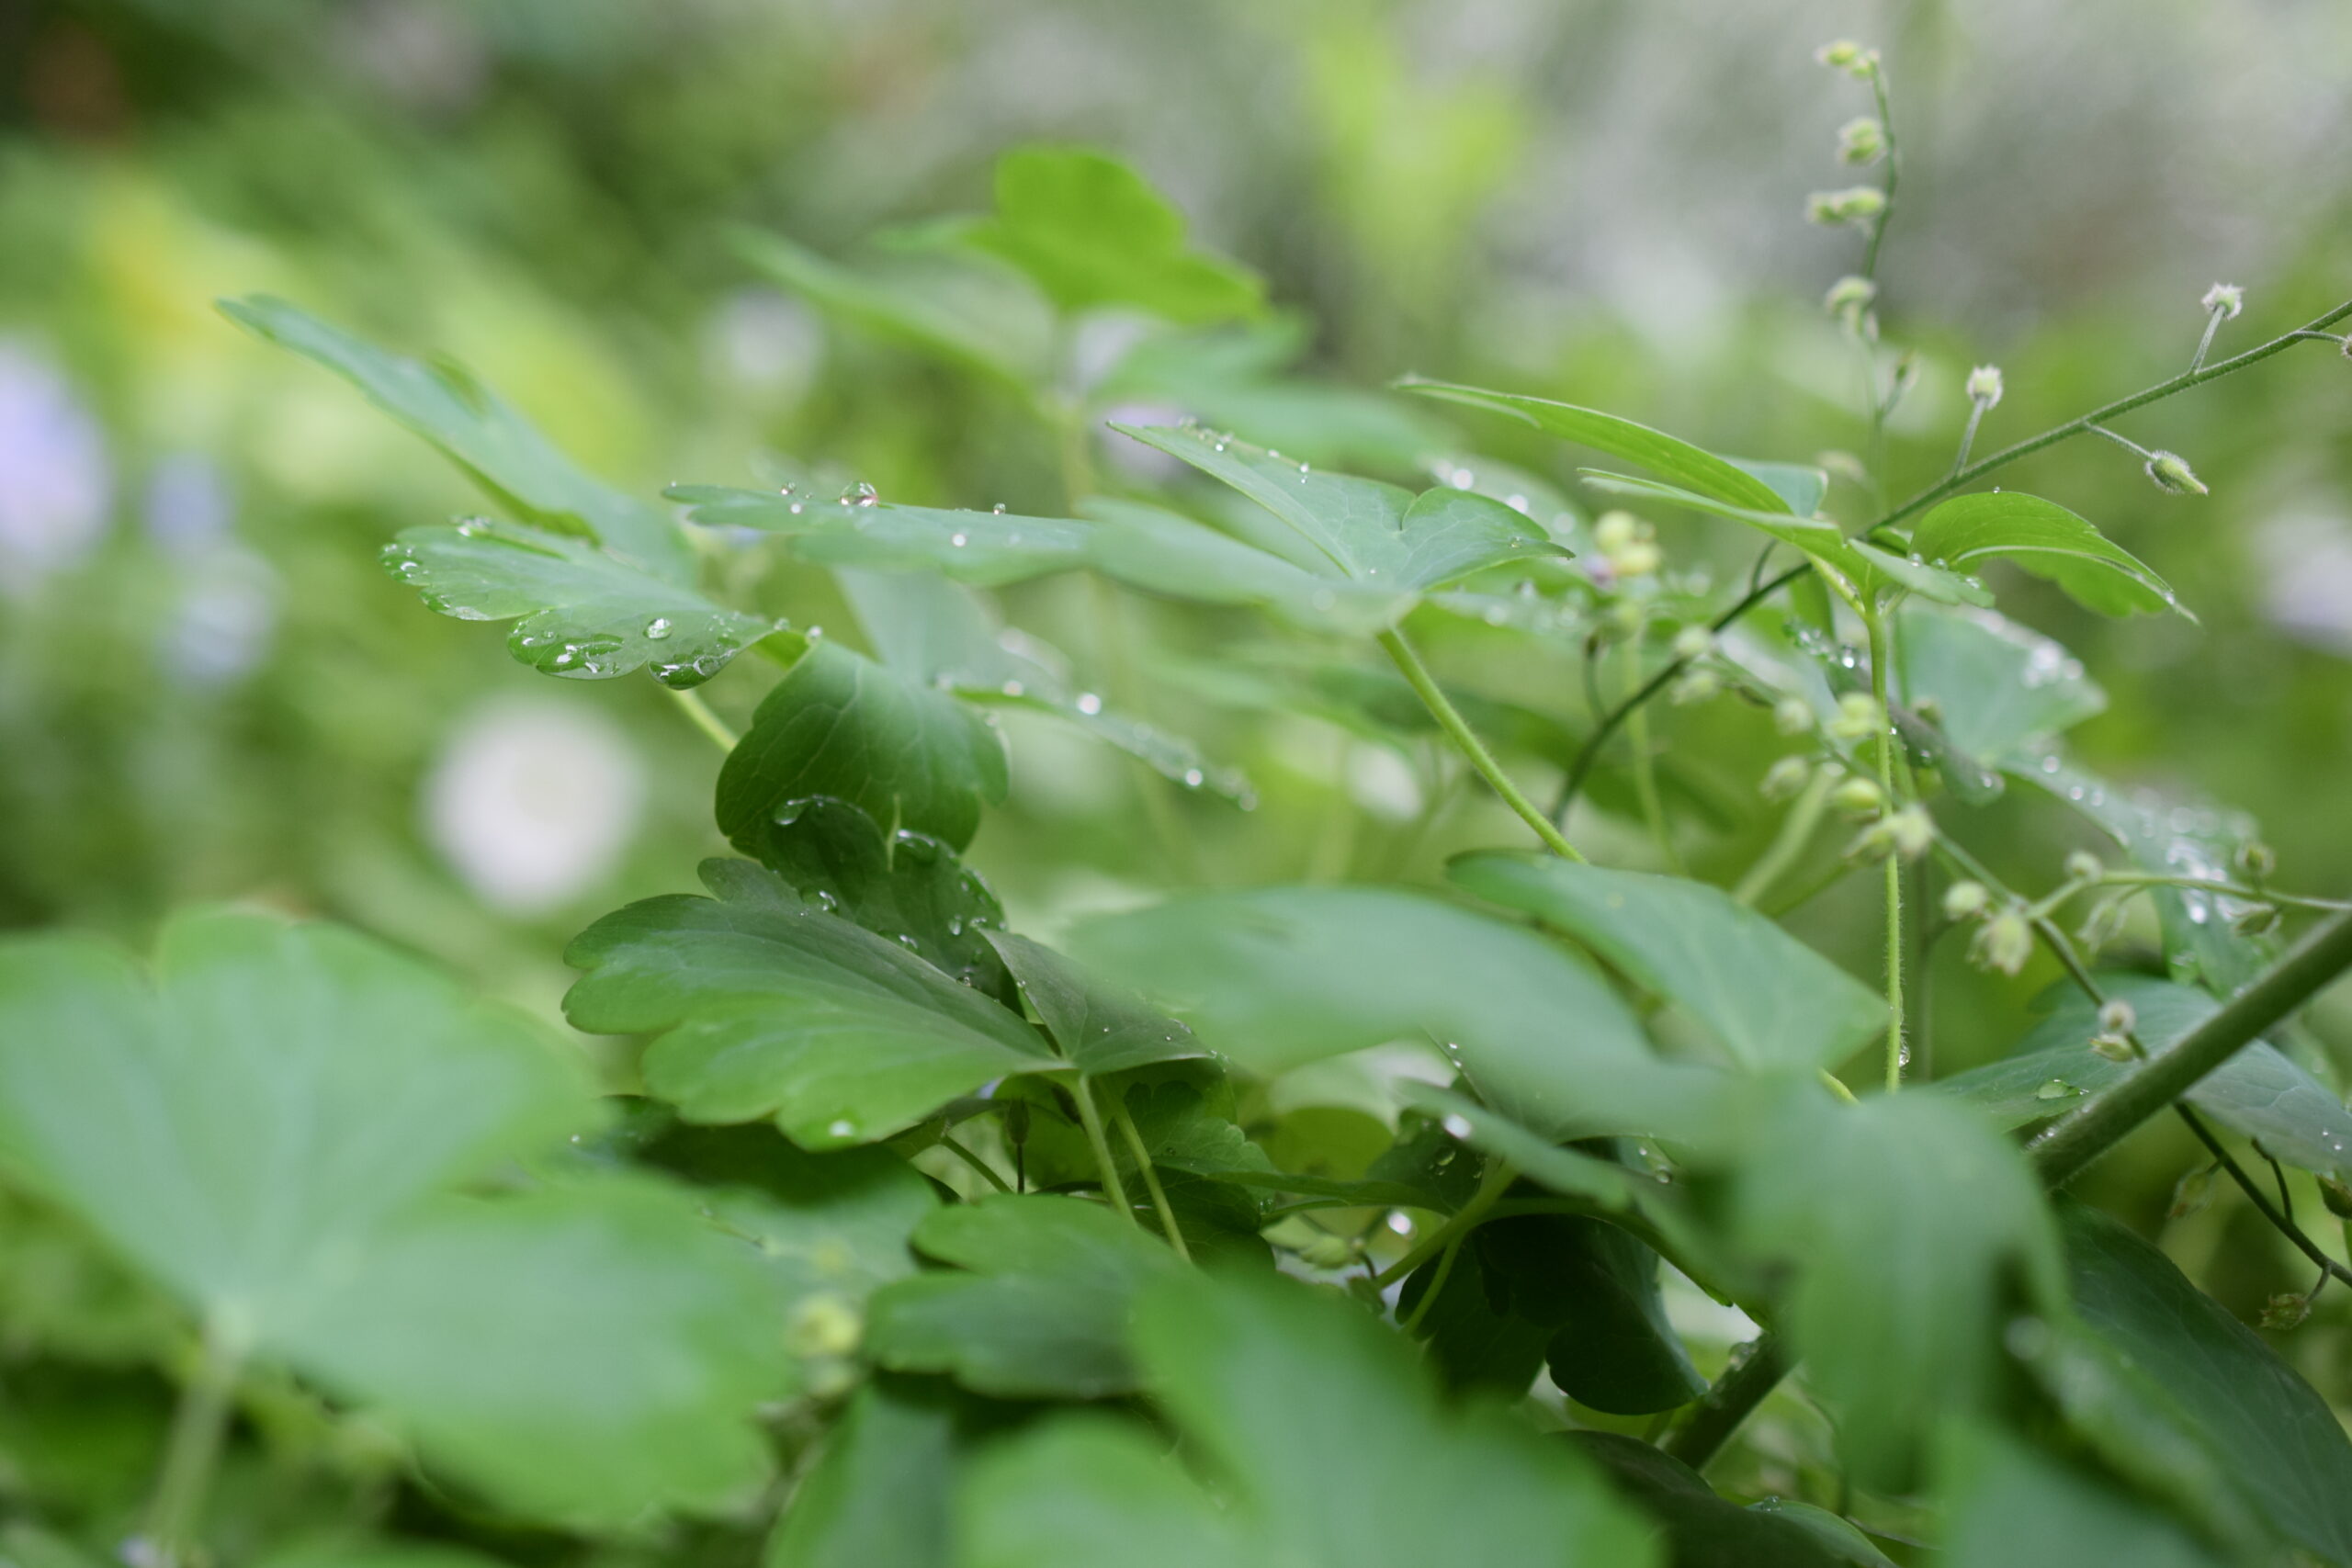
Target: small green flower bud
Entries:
(2257, 860)
(1849, 296)
(1793, 715)
(1785, 778)
(2191, 1193)
(1693, 642)
(2004, 942)
(1966, 900)
(2226, 297)
(1912, 832)
(1640, 559)
(2112, 1047)
(1861, 142)
(824, 1324)
(2118, 1018)
(1612, 531)
(1984, 385)
(2336, 1196)
(2286, 1312)
(2172, 473)
(1857, 798)
(1850, 57)
(1695, 687)
(1855, 204)
(1858, 718)
(2260, 920)
(2084, 866)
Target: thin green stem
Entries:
(2142, 398)
(2213, 320)
(1091, 1116)
(1491, 1187)
(2123, 441)
(975, 1162)
(1894, 172)
(1882, 688)
(1167, 1212)
(1437, 1282)
(1728, 1402)
(1796, 831)
(709, 723)
(2210, 885)
(1449, 718)
(199, 1424)
(1637, 735)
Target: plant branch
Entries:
(1091, 1117)
(2099, 415)
(1882, 688)
(1449, 718)
(193, 1451)
(709, 723)
(975, 1162)
(1728, 1402)
(1796, 830)
(1167, 1212)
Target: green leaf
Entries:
(834, 1224)
(580, 1352)
(1814, 536)
(2275, 1437)
(1037, 1306)
(1091, 231)
(2259, 1093)
(1772, 1001)
(1157, 551)
(1705, 1530)
(2046, 540)
(1912, 1229)
(1336, 1448)
(1278, 978)
(986, 549)
(277, 1090)
(1374, 534)
(1888, 569)
(363, 1553)
(937, 635)
(968, 309)
(1577, 1294)
(839, 725)
(768, 1006)
(1997, 689)
(1085, 1492)
(1799, 486)
(275, 1130)
(878, 1493)
(906, 886)
(580, 612)
(1099, 1027)
(2013, 1506)
(1689, 467)
(480, 432)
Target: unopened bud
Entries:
(1849, 296)
(1984, 385)
(2004, 942)
(1857, 798)
(2112, 1047)
(824, 1324)
(1861, 142)
(1847, 56)
(1966, 900)
(2257, 860)
(2284, 1312)
(1855, 204)
(2172, 473)
(1695, 687)
(2191, 1193)
(1912, 831)
(1793, 715)
(1858, 718)
(1612, 531)
(2226, 297)
(2118, 1017)
(2084, 866)
(2260, 920)
(1640, 559)
(1785, 778)
(1693, 642)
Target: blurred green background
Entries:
(208, 689)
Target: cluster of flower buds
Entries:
(1859, 717)
(1850, 300)
(1906, 832)
(1862, 142)
(2005, 941)
(1627, 544)
(2116, 1021)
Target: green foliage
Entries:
(887, 1189)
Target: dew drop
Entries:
(1457, 1126)
(959, 540)
(1193, 778)
(1089, 703)
(998, 509)
(844, 1129)
(657, 628)
(861, 494)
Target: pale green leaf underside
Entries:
(1772, 1001)
(1690, 467)
(768, 1006)
(1997, 689)
(1099, 1027)
(580, 613)
(2045, 539)
(480, 432)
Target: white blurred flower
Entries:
(2306, 560)
(1383, 783)
(764, 341)
(532, 801)
(56, 488)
